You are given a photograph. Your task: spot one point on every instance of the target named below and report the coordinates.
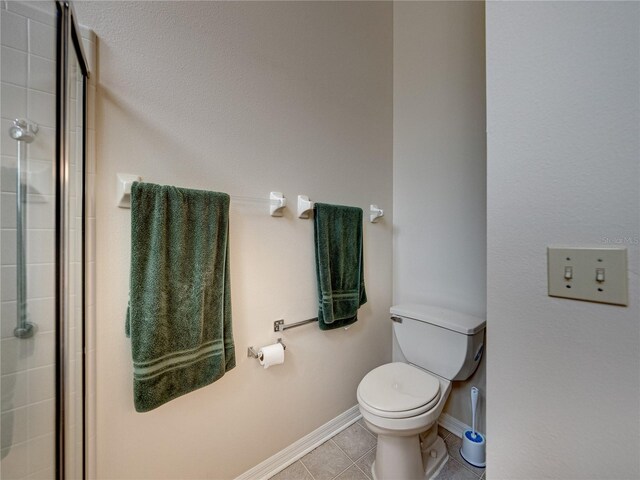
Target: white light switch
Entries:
(592, 274)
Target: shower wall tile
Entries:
(8, 210)
(8, 310)
(41, 311)
(40, 179)
(7, 178)
(8, 283)
(14, 390)
(14, 31)
(41, 385)
(7, 149)
(40, 246)
(44, 148)
(13, 427)
(14, 100)
(13, 66)
(40, 280)
(40, 42)
(8, 241)
(40, 453)
(41, 11)
(14, 462)
(91, 160)
(91, 106)
(42, 352)
(41, 418)
(46, 474)
(42, 74)
(14, 354)
(42, 108)
(40, 212)
(7, 326)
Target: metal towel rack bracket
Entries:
(279, 326)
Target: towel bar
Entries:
(279, 326)
(251, 352)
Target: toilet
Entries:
(401, 401)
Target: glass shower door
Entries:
(27, 221)
(42, 86)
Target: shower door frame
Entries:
(68, 42)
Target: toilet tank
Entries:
(444, 342)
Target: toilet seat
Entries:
(398, 390)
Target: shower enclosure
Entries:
(42, 241)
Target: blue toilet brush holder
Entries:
(474, 446)
(474, 449)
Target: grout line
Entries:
(339, 448)
(367, 453)
(365, 429)
(352, 464)
(12, 229)
(305, 467)
(360, 468)
(345, 453)
(363, 472)
(27, 52)
(15, 49)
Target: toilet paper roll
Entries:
(271, 355)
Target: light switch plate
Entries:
(582, 265)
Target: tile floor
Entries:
(349, 455)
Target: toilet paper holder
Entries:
(252, 353)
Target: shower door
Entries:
(42, 242)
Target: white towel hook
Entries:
(277, 204)
(305, 206)
(125, 181)
(375, 213)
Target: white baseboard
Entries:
(300, 448)
(454, 425)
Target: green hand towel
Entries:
(339, 264)
(179, 316)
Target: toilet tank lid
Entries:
(442, 317)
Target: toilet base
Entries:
(433, 465)
(400, 458)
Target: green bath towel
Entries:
(179, 316)
(339, 264)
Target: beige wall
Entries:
(563, 110)
(439, 166)
(243, 98)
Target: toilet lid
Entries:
(399, 387)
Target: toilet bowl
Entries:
(398, 402)
(401, 401)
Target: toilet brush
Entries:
(473, 447)
(474, 406)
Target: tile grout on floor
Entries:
(354, 462)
